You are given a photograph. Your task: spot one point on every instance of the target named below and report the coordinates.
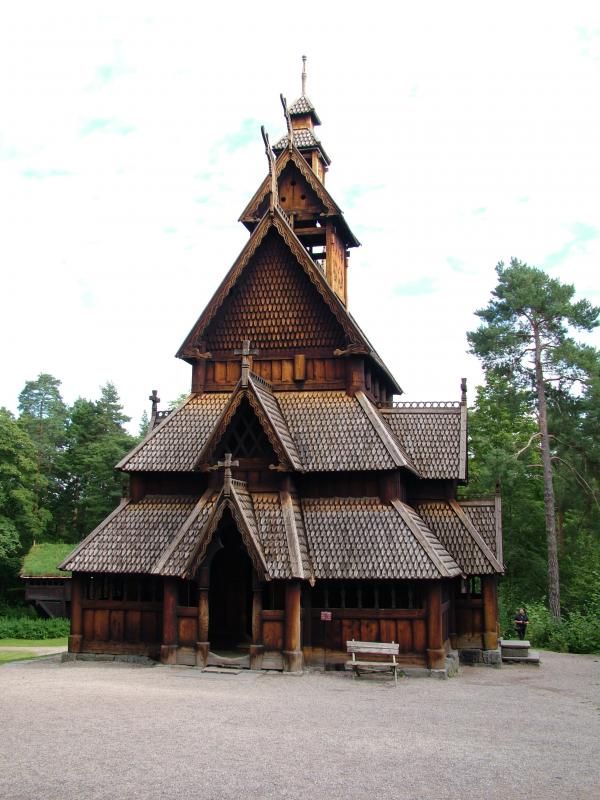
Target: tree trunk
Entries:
(553, 573)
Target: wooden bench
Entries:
(372, 649)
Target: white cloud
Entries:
(460, 135)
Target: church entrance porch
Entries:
(230, 601)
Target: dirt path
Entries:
(109, 730)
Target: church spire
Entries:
(303, 75)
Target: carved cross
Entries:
(226, 466)
(155, 400)
(245, 352)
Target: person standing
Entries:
(521, 623)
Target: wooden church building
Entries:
(291, 503)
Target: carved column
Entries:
(76, 636)
(436, 655)
(203, 645)
(292, 655)
(168, 650)
(256, 648)
(490, 612)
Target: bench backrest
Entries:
(379, 648)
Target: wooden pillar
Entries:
(76, 635)
(454, 594)
(292, 654)
(490, 612)
(355, 375)
(168, 650)
(203, 645)
(256, 648)
(436, 655)
(199, 375)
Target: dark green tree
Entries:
(21, 518)
(43, 417)
(97, 440)
(525, 336)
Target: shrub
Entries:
(33, 628)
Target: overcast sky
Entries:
(460, 134)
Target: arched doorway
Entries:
(230, 593)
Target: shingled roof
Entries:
(363, 538)
(304, 138)
(176, 444)
(165, 535)
(133, 537)
(303, 106)
(434, 435)
(452, 525)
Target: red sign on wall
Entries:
(325, 616)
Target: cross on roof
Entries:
(245, 353)
(226, 466)
(155, 400)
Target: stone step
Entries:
(516, 643)
(532, 657)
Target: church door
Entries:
(230, 594)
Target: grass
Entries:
(42, 559)
(60, 641)
(5, 658)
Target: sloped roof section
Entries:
(175, 444)
(468, 550)
(303, 105)
(133, 537)
(176, 558)
(434, 436)
(277, 221)
(332, 432)
(363, 538)
(271, 530)
(270, 407)
(303, 138)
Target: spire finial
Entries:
(303, 75)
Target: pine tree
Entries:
(524, 335)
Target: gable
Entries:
(244, 436)
(295, 195)
(274, 305)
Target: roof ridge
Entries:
(408, 513)
(391, 443)
(163, 558)
(289, 523)
(475, 535)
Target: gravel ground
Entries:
(109, 730)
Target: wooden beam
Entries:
(168, 650)
(76, 637)
(436, 655)
(292, 655)
(256, 648)
(490, 612)
(202, 645)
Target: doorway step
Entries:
(236, 659)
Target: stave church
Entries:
(292, 502)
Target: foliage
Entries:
(524, 340)
(144, 428)
(33, 628)
(43, 417)
(21, 519)
(96, 440)
(42, 559)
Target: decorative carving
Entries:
(226, 465)
(274, 202)
(288, 122)
(245, 353)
